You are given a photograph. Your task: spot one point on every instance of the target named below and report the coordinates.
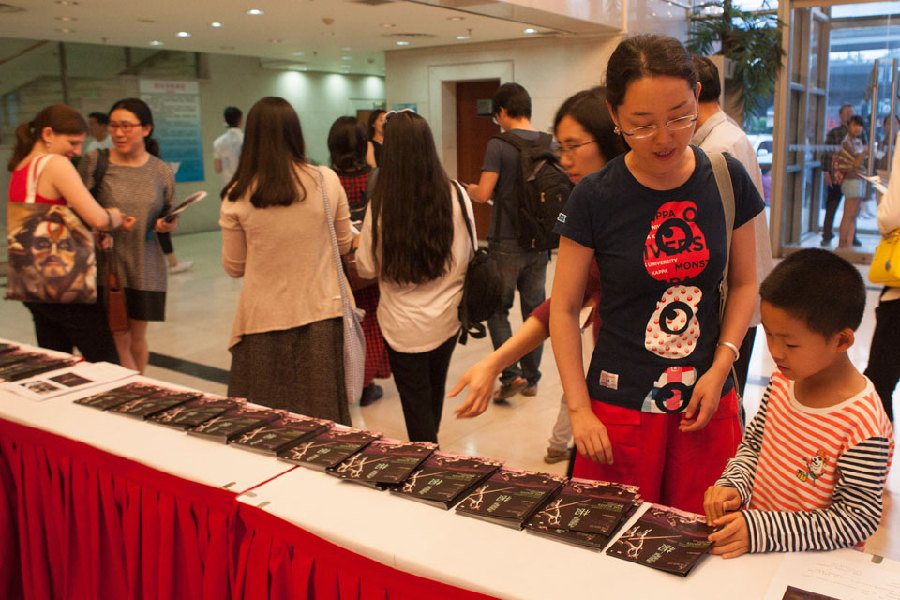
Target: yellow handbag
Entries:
(885, 268)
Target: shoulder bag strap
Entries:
(35, 168)
(726, 192)
(465, 214)
(100, 170)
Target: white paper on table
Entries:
(70, 379)
(845, 574)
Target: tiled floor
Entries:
(200, 310)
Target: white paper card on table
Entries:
(70, 379)
(845, 574)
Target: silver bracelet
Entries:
(732, 347)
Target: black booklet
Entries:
(157, 401)
(384, 463)
(444, 479)
(509, 497)
(7, 347)
(664, 538)
(117, 396)
(277, 436)
(16, 365)
(196, 412)
(233, 423)
(328, 448)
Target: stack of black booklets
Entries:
(273, 438)
(157, 400)
(510, 497)
(197, 412)
(17, 364)
(665, 538)
(443, 479)
(329, 448)
(586, 513)
(118, 396)
(234, 423)
(384, 463)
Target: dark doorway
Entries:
(474, 129)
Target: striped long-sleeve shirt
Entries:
(811, 479)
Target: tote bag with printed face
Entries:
(50, 250)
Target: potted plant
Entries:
(750, 40)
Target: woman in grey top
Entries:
(141, 185)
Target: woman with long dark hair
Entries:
(54, 135)
(415, 241)
(658, 408)
(375, 135)
(142, 185)
(347, 146)
(287, 340)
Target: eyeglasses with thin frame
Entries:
(679, 124)
(125, 127)
(569, 149)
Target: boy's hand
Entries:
(733, 539)
(719, 500)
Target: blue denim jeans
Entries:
(527, 272)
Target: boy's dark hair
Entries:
(708, 76)
(855, 120)
(233, 116)
(819, 287)
(514, 98)
(101, 118)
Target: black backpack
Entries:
(541, 191)
(482, 287)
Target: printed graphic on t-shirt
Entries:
(672, 391)
(814, 467)
(675, 249)
(673, 328)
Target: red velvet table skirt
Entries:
(77, 522)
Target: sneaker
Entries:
(857, 242)
(555, 456)
(181, 267)
(509, 389)
(371, 393)
(530, 390)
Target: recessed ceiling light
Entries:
(299, 53)
(346, 58)
(254, 12)
(388, 25)
(66, 30)
(346, 49)
(402, 43)
(183, 34)
(155, 43)
(66, 19)
(463, 37)
(274, 41)
(215, 24)
(67, 3)
(456, 18)
(529, 30)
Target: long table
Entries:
(94, 504)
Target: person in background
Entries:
(142, 185)
(98, 124)
(658, 408)
(287, 339)
(884, 368)
(833, 140)
(853, 152)
(717, 132)
(227, 147)
(818, 413)
(522, 270)
(416, 243)
(347, 147)
(584, 130)
(375, 136)
(59, 131)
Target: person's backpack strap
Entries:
(465, 214)
(100, 170)
(521, 144)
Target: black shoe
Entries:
(826, 241)
(371, 393)
(856, 242)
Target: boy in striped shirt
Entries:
(811, 468)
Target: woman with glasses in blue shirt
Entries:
(658, 408)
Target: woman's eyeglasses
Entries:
(125, 127)
(679, 124)
(569, 149)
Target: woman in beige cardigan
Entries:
(286, 343)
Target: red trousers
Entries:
(670, 467)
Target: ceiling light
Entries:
(347, 49)
(298, 53)
(66, 30)
(346, 58)
(463, 37)
(154, 43)
(183, 34)
(254, 12)
(388, 25)
(66, 19)
(215, 24)
(66, 3)
(402, 43)
(530, 30)
(456, 18)
(274, 41)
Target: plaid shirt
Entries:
(354, 184)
